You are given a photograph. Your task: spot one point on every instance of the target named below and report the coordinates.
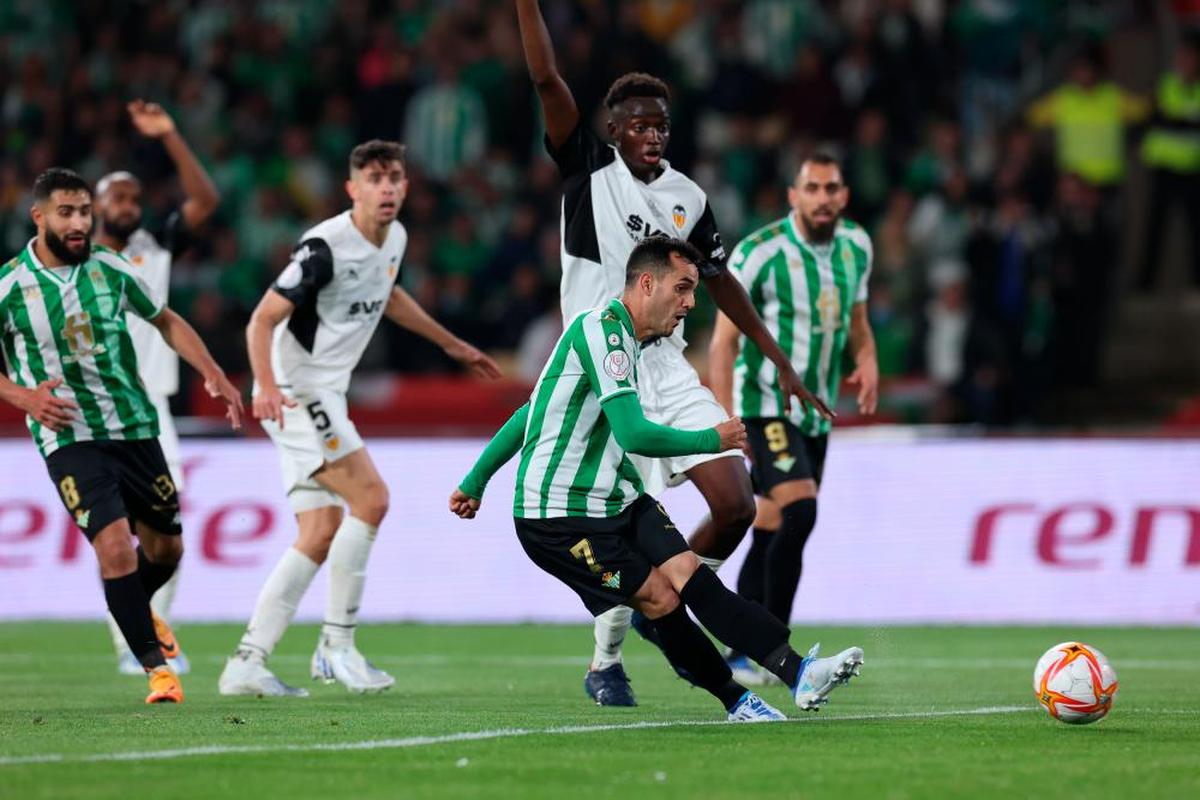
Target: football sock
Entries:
(739, 623)
(153, 575)
(128, 604)
(785, 555)
(347, 576)
(277, 603)
(609, 630)
(753, 573)
(165, 596)
(686, 646)
(784, 663)
(712, 563)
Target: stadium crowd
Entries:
(993, 242)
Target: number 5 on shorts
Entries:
(319, 417)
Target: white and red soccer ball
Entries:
(1075, 683)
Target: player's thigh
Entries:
(766, 514)
(587, 554)
(355, 478)
(653, 534)
(88, 484)
(782, 457)
(149, 492)
(301, 455)
(674, 396)
(656, 597)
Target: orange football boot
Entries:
(164, 686)
(166, 637)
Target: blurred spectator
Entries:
(1172, 151)
(446, 125)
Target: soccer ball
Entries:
(1075, 683)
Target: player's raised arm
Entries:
(184, 340)
(406, 312)
(202, 196)
(558, 104)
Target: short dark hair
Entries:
(58, 179)
(653, 255)
(635, 84)
(822, 158)
(376, 151)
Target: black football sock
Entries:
(741, 624)
(750, 584)
(784, 663)
(153, 575)
(130, 607)
(686, 646)
(785, 557)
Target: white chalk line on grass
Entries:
(433, 659)
(465, 736)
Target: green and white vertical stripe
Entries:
(69, 323)
(805, 294)
(445, 129)
(571, 464)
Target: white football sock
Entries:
(712, 563)
(277, 602)
(610, 630)
(347, 576)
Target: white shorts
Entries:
(318, 430)
(168, 439)
(671, 394)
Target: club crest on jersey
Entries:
(137, 261)
(616, 364)
(82, 516)
(679, 216)
(829, 307)
(332, 441)
(80, 340)
(611, 580)
(784, 463)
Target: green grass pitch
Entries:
(499, 711)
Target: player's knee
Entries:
(115, 555)
(373, 506)
(679, 569)
(657, 597)
(734, 511)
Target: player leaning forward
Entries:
(73, 370)
(305, 337)
(581, 511)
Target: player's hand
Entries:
(866, 378)
(219, 386)
(269, 404)
(150, 119)
(791, 386)
(473, 358)
(733, 434)
(463, 504)
(53, 412)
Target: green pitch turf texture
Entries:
(499, 711)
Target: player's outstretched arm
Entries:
(40, 403)
(558, 104)
(406, 312)
(636, 434)
(268, 401)
(202, 196)
(187, 343)
(465, 499)
(866, 364)
(732, 300)
(722, 352)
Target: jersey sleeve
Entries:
(604, 349)
(310, 270)
(743, 267)
(136, 295)
(175, 236)
(864, 278)
(707, 239)
(581, 153)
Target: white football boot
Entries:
(244, 675)
(820, 676)
(752, 708)
(348, 666)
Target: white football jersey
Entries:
(340, 284)
(151, 260)
(606, 211)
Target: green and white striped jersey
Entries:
(804, 292)
(69, 323)
(571, 465)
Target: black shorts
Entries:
(605, 560)
(779, 452)
(101, 482)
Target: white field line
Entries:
(465, 736)
(432, 660)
